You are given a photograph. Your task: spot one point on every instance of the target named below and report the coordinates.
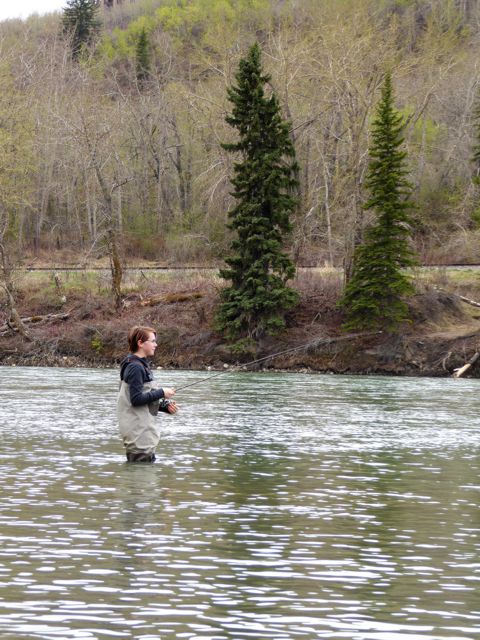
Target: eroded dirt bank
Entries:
(444, 335)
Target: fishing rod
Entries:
(311, 343)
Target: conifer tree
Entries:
(142, 57)
(476, 160)
(476, 132)
(80, 22)
(258, 297)
(373, 297)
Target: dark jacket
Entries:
(136, 372)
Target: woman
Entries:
(140, 399)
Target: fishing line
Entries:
(311, 343)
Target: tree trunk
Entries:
(7, 284)
(112, 234)
(115, 266)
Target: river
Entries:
(281, 506)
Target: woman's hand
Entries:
(172, 407)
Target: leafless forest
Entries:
(93, 161)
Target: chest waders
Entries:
(138, 425)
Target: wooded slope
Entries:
(84, 140)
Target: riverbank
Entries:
(72, 323)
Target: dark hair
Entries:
(137, 334)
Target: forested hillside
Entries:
(126, 138)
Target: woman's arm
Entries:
(135, 376)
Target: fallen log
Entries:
(171, 298)
(8, 327)
(458, 373)
(474, 303)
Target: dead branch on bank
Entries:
(474, 303)
(457, 373)
(6, 281)
(171, 298)
(8, 327)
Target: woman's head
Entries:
(138, 335)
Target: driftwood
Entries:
(460, 371)
(8, 327)
(170, 298)
(471, 302)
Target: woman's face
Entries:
(148, 347)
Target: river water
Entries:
(281, 506)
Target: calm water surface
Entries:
(282, 506)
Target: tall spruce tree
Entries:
(476, 160)
(373, 297)
(142, 58)
(258, 297)
(81, 23)
(476, 133)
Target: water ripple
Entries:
(281, 506)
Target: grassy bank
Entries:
(72, 322)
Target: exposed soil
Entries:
(443, 335)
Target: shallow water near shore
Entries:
(281, 506)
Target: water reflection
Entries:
(281, 506)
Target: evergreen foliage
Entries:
(258, 297)
(476, 160)
(373, 297)
(80, 23)
(142, 57)
(476, 145)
